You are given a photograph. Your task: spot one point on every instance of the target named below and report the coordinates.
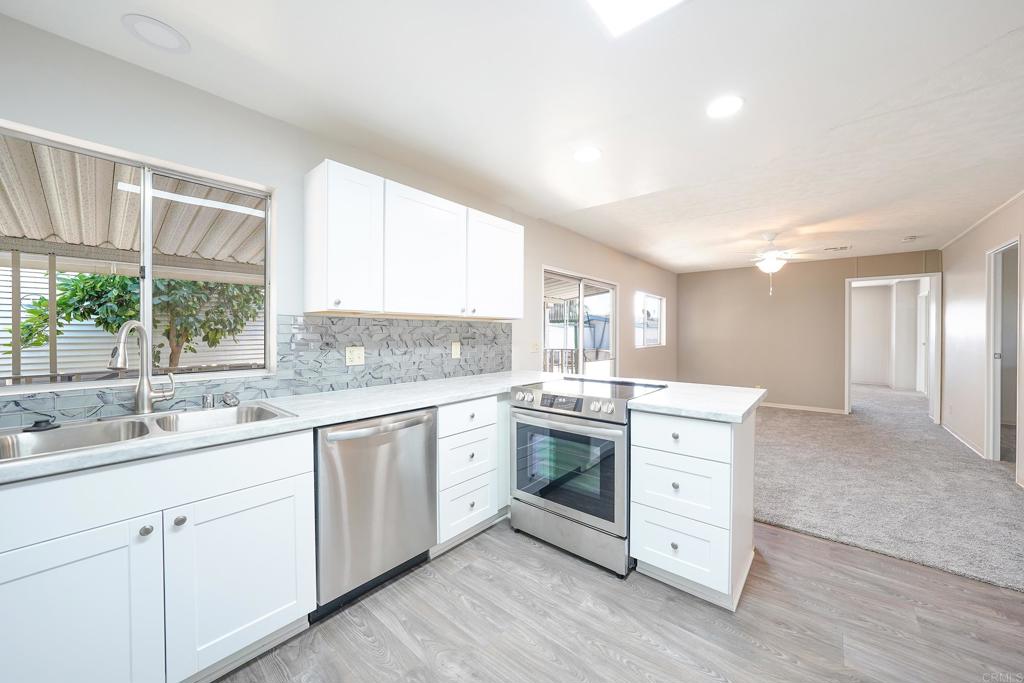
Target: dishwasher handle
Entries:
(348, 435)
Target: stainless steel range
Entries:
(571, 466)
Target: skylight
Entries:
(620, 16)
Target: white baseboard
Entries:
(963, 441)
(813, 409)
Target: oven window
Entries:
(565, 468)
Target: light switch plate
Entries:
(354, 355)
(456, 349)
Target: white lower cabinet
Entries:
(691, 518)
(238, 568)
(465, 505)
(172, 588)
(85, 607)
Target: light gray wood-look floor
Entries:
(505, 607)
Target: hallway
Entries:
(887, 479)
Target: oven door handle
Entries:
(574, 427)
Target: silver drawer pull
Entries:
(472, 416)
(472, 504)
(675, 546)
(675, 485)
(472, 455)
(146, 530)
(180, 520)
(675, 435)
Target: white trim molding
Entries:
(963, 440)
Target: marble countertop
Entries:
(701, 401)
(725, 404)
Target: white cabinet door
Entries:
(344, 239)
(86, 607)
(424, 253)
(494, 267)
(238, 567)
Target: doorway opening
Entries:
(893, 342)
(1003, 343)
(579, 325)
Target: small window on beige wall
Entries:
(649, 320)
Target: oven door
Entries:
(574, 467)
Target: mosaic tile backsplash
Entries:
(310, 359)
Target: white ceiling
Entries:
(865, 120)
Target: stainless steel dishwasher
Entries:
(376, 502)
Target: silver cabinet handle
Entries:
(472, 455)
(675, 485)
(462, 310)
(337, 302)
(472, 504)
(146, 530)
(675, 435)
(472, 416)
(180, 520)
(473, 311)
(675, 546)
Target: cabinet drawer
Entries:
(466, 505)
(461, 417)
(691, 487)
(699, 438)
(461, 457)
(689, 549)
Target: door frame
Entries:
(934, 339)
(583, 278)
(993, 345)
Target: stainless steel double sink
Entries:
(77, 435)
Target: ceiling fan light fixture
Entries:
(770, 264)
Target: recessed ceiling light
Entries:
(156, 33)
(724, 106)
(620, 16)
(587, 154)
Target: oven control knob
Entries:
(595, 406)
(529, 398)
(520, 396)
(608, 408)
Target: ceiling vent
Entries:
(910, 238)
(845, 247)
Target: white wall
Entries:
(871, 334)
(62, 87)
(904, 335)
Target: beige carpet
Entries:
(887, 479)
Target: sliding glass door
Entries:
(579, 325)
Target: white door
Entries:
(494, 267)
(87, 607)
(424, 253)
(238, 567)
(355, 239)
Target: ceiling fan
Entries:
(771, 260)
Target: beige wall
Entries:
(964, 363)
(793, 343)
(65, 88)
(561, 249)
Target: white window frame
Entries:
(149, 167)
(640, 304)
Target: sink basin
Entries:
(218, 417)
(70, 437)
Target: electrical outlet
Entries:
(355, 355)
(456, 349)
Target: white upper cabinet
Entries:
(424, 253)
(374, 245)
(494, 267)
(344, 239)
